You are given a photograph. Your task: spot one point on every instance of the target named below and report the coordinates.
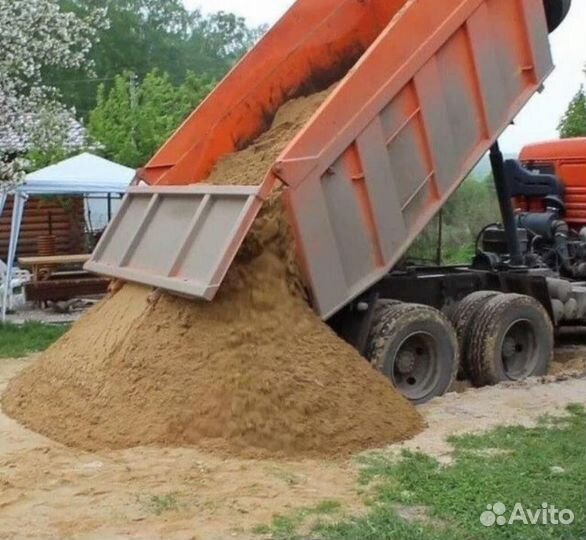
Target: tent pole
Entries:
(3, 197)
(17, 213)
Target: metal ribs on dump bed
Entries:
(194, 231)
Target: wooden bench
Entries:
(49, 283)
(42, 267)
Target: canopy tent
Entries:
(81, 174)
(85, 174)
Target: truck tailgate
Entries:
(181, 239)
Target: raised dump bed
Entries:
(425, 89)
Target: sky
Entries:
(537, 122)
(540, 118)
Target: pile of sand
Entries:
(254, 373)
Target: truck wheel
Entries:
(416, 347)
(462, 318)
(382, 306)
(510, 339)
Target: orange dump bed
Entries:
(310, 48)
(426, 87)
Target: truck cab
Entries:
(565, 159)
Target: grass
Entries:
(161, 504)
(285, 527)
(17, 341)
(545, 464)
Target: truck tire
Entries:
(382, 306)
(462, 318)
(416, 347)
(511, 339)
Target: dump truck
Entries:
(423, 90)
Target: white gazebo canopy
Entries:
(85, 174)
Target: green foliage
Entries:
(285, 527)
(163, 44)
(509, 465)
(40, 157)
(144, 35)
(471, 208)
(113, 123)
(17, 341)
(132, 120)
(161, 504)
(194, 90)
(573, 123)
(217, 41)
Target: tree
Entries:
(573, 123)
(154, 34)
(36, 35)
(132, 120)
(56, 136)
(467, 212)
(216, 42)
(141, 35)
(113, 122)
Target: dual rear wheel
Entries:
(508, 337)
(499, 337)
(416, 347)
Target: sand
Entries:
(253, 374)
(49, 492)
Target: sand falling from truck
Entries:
(254, 373)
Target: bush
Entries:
(471, 208)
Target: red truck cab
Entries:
(566, 159)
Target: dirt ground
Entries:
(48, 491)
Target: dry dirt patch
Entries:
(570, 358)
(48, 491)
(483, 409)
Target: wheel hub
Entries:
(518, 350)
(415, 364)
(406, 362)
(510, 347)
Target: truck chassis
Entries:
(490, 321)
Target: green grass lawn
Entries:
(510, 465)
(17, 341)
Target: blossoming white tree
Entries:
(36, 35)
